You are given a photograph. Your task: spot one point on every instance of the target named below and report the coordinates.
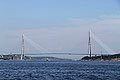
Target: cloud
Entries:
(83, 22)
(105, 19)
(110, 16)
(109, 22)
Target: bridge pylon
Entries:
(22, 48)
(89, 45)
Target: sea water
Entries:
(59, 70)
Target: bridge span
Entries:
(67, 54)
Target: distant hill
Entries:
(18, 57)
(51, 59)
(103, 57)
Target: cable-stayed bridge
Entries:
(44, 51)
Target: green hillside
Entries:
(104, 57)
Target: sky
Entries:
(59, 25)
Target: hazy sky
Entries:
(59, 25)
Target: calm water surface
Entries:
(59, 70)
